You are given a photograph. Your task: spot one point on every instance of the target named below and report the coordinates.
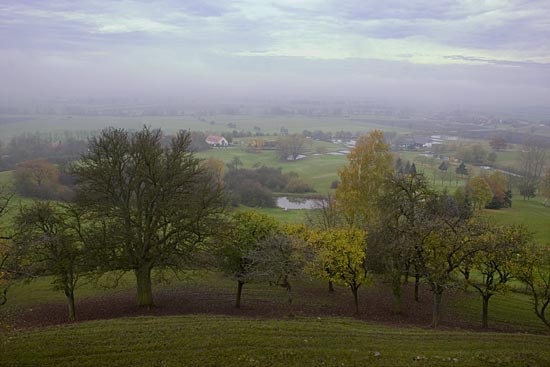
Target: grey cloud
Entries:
(59, 48)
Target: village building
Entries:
(216, 141)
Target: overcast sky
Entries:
(476, 52)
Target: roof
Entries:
(215, 139)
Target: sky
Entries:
(492, 52)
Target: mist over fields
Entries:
(274, 182)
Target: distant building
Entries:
(216, 141)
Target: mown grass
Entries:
(508, 309)
(530, 213)
(229, 341)
(289, 216)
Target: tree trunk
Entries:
(397, 294)
(4, 296)
(144, 290)
(69, 293)
(407, 273)
(436, 316)
(355, 290)
(541, 312)
(330, 286)
(416, 287)
(289, 299)
(289, 294)
(239, 292)
(485, 312)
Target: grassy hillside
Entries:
(531, 213)
(228, 341)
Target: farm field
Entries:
(57, 124)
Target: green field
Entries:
(57, 124)
(531, 213)
(319, 171)
(289, 216)
(229, 341)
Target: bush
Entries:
(253, 194)
(252, 186)
(297, 185)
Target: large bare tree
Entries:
(150, 204)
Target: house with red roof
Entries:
(216, 141)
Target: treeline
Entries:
(68, 146)
(58, 149)
(139, 207)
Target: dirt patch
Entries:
(376, 304)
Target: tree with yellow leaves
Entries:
(243, 235)
(340, 257)
(480, 192)
(370, 162)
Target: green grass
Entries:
(40, 290)
(6, 185)
(531, 213)
(289, 216)
(505, 310)
(318, 171)
(229, 341)
(220, 340)
(508, 158)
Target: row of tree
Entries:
(395, 226)
(144, 203)
(437, 237)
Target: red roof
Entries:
(215, 139)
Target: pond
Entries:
(292, 203)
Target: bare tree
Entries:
(277, 260)
(531, 166)
(156, 201)
(290, 146)
(532, 158)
